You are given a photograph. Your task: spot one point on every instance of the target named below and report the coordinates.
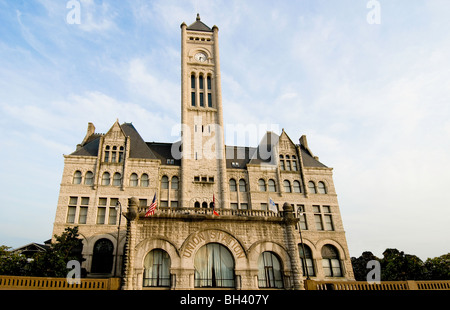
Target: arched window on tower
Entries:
(287, 186)
(233, 185)
(144, 180)
(297, 187)
(242, 186)
(312, 187)
(164, 182)
(321, 188)
(77, 177)
(272, 186)
(89, 178)
(262, 185)
(174, 182)
(106, 178)
(134, 180)
(117, 179)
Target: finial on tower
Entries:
(198, 17)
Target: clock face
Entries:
(200, 57)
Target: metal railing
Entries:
(41, 283)
(382, 286)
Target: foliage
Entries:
(360, 265)
(438, 267)
(398, 266)
(12, 263)
(50, 263)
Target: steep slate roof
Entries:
(138, 147)
(199, 25)
(89, 148)
(308, 160)
(163, 151)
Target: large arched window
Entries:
(134, 180)
(117, 179)
(106, 178)
(174, 182)
(330, 261)
(272, 186)
(262, 185)
(89, 178)
(77, 177)
(312, 187)
(297, 188)
(233, 187)
(282, 167)
(157, 269)
(269, 271)
(321, 188)
(306, 256)
(214, 266)
(287, 186)
(102, 256)
(242, 186)
(164, 182)
(144, 180)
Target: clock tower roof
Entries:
(198, 25)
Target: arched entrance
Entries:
(102, 257)
(214, 266)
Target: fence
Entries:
(38, 283)
(382, 286)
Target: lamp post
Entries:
(300, 213)
(118, 208)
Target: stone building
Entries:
(253, 243)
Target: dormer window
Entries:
(114, 154)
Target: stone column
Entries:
(290, 221)
(130, 244)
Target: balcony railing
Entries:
(201, 212)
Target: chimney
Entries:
(304, 143)
(90, 132)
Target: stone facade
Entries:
(257, 192)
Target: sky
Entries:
(368, 83)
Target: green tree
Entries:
(12, 264)
(53, 262)
(438, 268)
(398, 266)
(360, 265)
(50, 263)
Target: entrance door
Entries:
(102, 258)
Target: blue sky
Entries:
(373, 99)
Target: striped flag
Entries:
(152, 208)
(214, 206)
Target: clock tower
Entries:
(203, 173)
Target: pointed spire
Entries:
(198, 25)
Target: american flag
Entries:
(152, 208)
